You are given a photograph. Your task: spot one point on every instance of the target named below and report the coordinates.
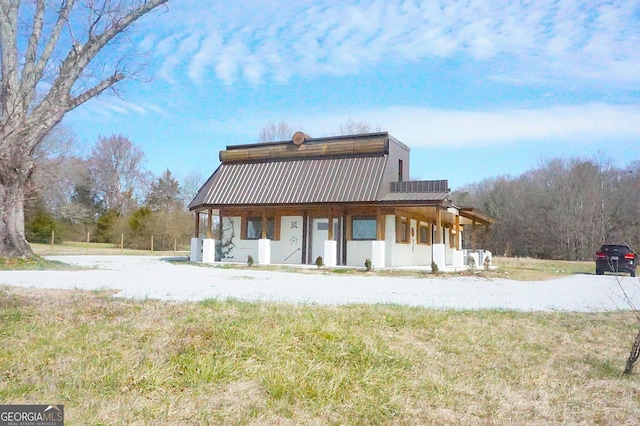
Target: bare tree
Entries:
(189, 187)
(272, 132)
(116, 170)
(48, 52)
(351, 127)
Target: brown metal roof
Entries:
(416, 196)
(330, 180)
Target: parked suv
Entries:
(616, 258)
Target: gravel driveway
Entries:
(140, 277)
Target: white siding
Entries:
(290, 243)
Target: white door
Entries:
(320, 234)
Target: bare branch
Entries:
(30, 55)
(63, 17)
(95, 91)
(8, 55)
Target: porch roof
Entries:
(321, 180)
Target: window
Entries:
(402, 229)
(400, 170)
(364, 228)
(253, 228)
(424, 236)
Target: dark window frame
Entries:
(403, 228)
(426, 227)
(363, 218)
(273, 228)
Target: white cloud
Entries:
(423, 127)
(570, 38)
(111, 106)
(427, 127)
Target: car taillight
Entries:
(629, 256)
(600, 255)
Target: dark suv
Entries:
(616, 258)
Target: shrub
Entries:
(319, 262)
(105, 226)
(38, 227)
(471, 262)
(368, 265)
(434, 267)
(249, 260)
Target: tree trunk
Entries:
(13, 242)
(633, 356)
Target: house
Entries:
(344, 198)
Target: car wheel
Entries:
(633, 273)
(599, 272)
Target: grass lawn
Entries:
(35, 263)
(113, 361)
(79, 248)
(521, 269)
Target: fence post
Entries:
(88, 237)
(175, 244)
(53, 237)
(121, 243)
(151, 243)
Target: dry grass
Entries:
(522, 269)
(33, 263)
(79, 248)
(113, 361)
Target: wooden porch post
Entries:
(438, 226)
(457, 242)
(264, 224)
(197, 227)
(473, 235)
(379, 226)
(220, 226)
(209, 222)
(330, 237)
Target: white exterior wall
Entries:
(408, 254)
(242, 248)
(448, 251)
(358, 252)
(290, 243)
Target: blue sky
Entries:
(477, 89)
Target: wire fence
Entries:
(177, 246)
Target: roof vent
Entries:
(299, 138)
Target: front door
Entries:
(319, 234)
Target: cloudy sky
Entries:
(476, 88)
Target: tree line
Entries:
(107, 195)
(562, 209)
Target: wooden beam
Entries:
(220, 226)
(330, 237)
(209, 222)
(457, 228)
(473, 235)
(197, 225)
(438, 227)
(379, 226)
(305, 231)
(264, 224)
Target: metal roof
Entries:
(328, 180)
(416, 196)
